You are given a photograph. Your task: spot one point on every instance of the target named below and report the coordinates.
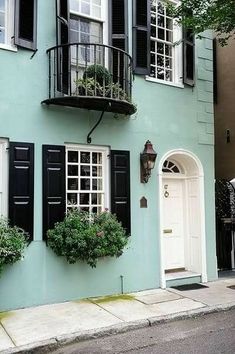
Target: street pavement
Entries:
(43, 328)
(210, 334)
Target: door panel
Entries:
(173, 223)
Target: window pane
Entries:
(97, 184)
(168, 50)
(72, 184)
(169, 37)
(84, 198)
(168, 75)
(72, 170)
(74, 5)
(169, 23)
(160, 60)
(97, 171)
(85, 157)
(153, 71)
(160, 21)
(2, 35)
(2, 19)
(161, 33)
(2, 5)
(85, 171)
(84, 184)
(72, 198)
(160, 73)
(72, 156)
(97, 158)
(85, 8)
(160, 48)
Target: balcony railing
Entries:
(90, 76)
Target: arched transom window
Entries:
(170, 167)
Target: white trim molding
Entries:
(198, 173)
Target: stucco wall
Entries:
(170, 117)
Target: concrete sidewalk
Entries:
(39, 329)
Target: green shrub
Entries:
(102, 75)
(85, 237)
(13, 241)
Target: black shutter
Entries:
(26, 23)
(62, 37)
(21, 186)
(188, 57)
(119, 25)
(119, 39)
(141, 36)
(120, 187)
(53, 186)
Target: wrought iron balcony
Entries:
(90, 76)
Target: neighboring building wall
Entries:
(225, 112)
(172, 118)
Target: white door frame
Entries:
(200, 177)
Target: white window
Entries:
(6, 23)
(88, 25)
(87, 178)
(165, 46)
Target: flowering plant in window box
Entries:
(87, 237)
(13, 241)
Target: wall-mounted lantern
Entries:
(147, 162)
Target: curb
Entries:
(57, 342)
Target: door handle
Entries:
(167, 231)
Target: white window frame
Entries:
(9, 26)
(103, 19)
(4, 167)
(177, 57)
(105, 150)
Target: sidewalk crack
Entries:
(5, 330)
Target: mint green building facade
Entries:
(177, 119)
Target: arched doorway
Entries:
(182, 215)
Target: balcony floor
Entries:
(94, 103)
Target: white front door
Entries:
(173, 223)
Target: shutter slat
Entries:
(53, 186)
(141, 36)
(21, 186)
(26, 24)
(120, 187)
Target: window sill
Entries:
(174, 84)
(11, 48)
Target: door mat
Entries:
(231, 287)
(185, 287)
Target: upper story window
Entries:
(86, 26)
(161, 51)
(164, 51)
(86, 23)
(6, 22)
(18, 24)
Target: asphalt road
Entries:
(211, 334)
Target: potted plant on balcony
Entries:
(98, 81)
(85, 237)
(13, 241)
